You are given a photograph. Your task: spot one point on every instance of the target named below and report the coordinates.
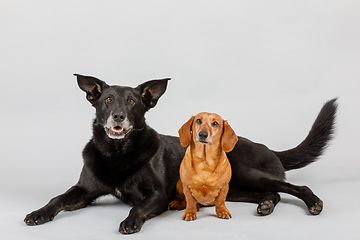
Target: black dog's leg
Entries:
(150, 207)
(75, 198)
(314, 204)
(266, 200)
(267, 204)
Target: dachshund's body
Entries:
(205, 171)
(206, 177)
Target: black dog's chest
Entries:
(124, 185)
(111, 172)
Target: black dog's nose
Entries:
(118, 116)
(203, 135)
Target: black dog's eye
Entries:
(131, 101)
(215, 124)
(109, 99)
(198, 121)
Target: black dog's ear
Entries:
(152, 90)
(92, 86)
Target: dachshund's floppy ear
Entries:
(185, 132)
(229, 138)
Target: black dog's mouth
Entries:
(116, 132)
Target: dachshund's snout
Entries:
(203, 135)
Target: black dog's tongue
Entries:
(117, 128)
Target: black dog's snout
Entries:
(118, 116)
(203, 135)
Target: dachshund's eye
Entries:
(215, 124)
(131, 101)
(198, 121)
(109, 99)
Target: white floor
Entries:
(290, 220)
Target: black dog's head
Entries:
(119, 110)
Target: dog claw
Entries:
(225, 216)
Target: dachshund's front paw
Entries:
(189, 216)
(224, 215)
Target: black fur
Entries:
(133, 162)
(316, 141)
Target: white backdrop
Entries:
(265, 66)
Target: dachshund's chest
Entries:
(203, 175)
(205, 181)
(205, 194)
(205, 186)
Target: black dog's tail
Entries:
(315, 143)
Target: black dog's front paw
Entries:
(129, 226)
(38, 217)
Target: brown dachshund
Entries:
(205, 171)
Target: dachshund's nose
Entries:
(203, 135)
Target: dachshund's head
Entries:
(208, 128)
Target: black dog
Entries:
(128, 159)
